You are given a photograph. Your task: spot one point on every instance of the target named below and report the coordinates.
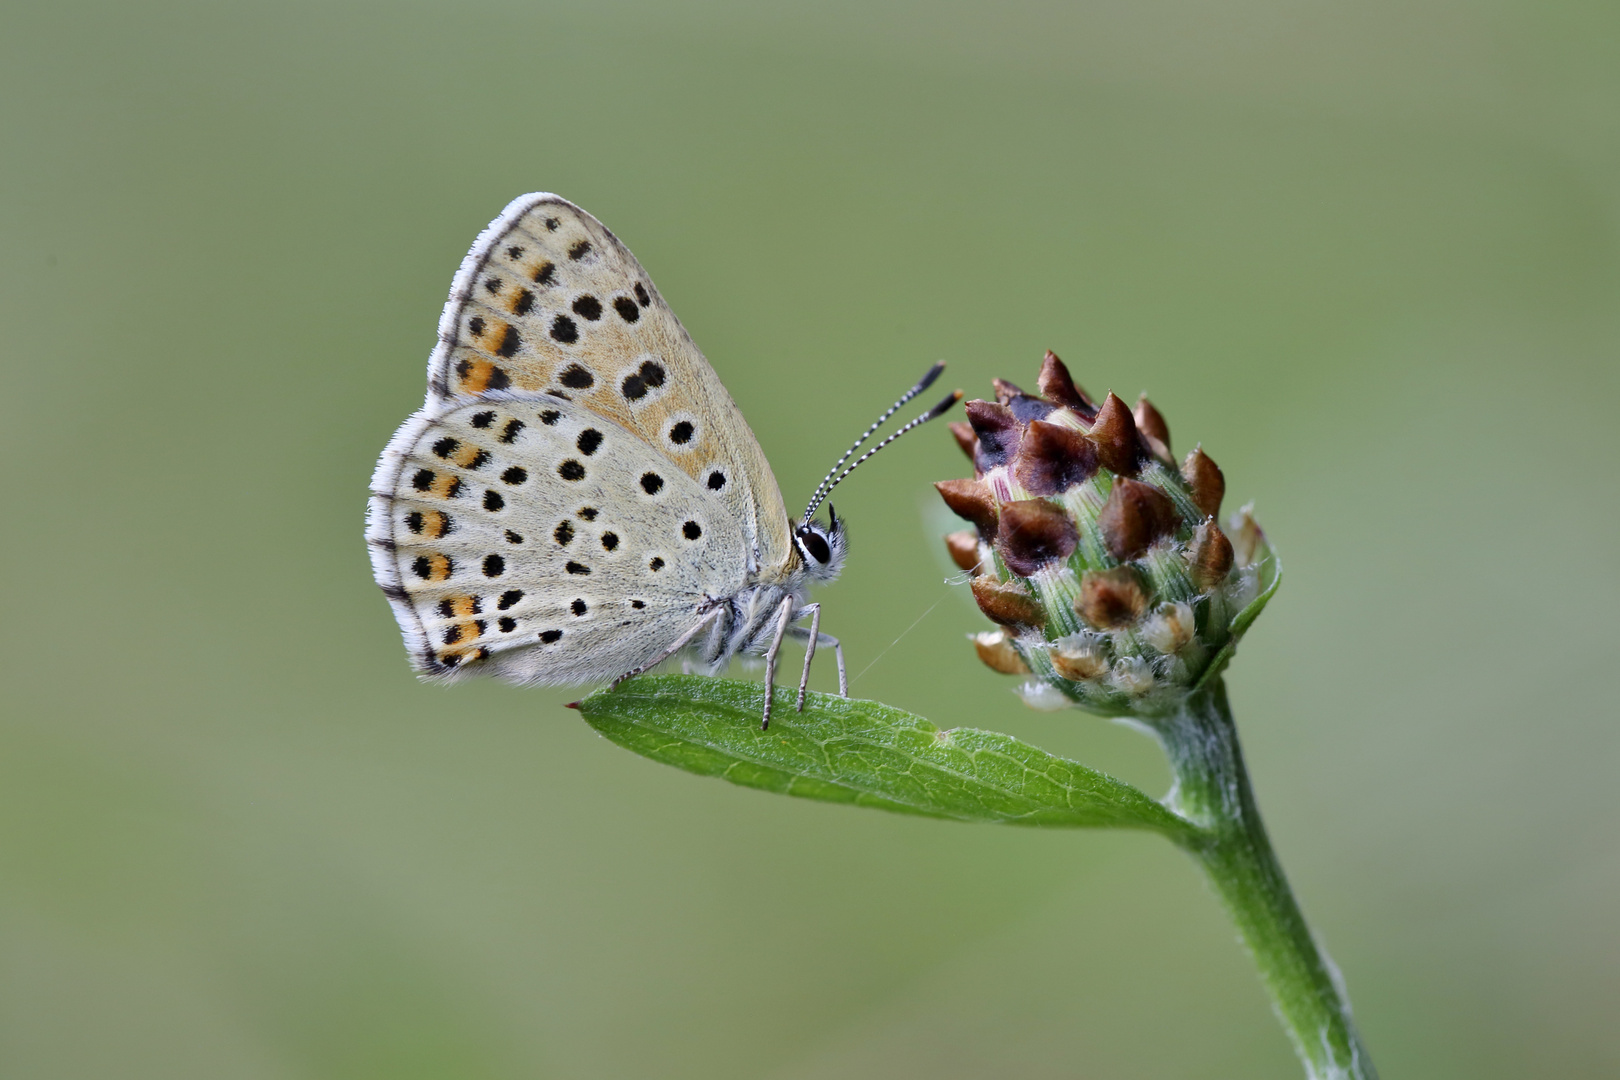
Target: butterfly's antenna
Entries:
(827, 481)
(833, 481)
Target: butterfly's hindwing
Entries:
(526, 536)
(548, 300)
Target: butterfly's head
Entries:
(822, 547)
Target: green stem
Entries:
(1212, 790)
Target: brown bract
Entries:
(1057, 385)
(997, 430)
(1006, 602)
(1006, 391)
(964, 549)
(972, 500)
(1110, 599)
(995, 648)
(962, 432)
(1034, 533)
(1052, 458)
(1154, 431)
(1119, 450)
(1135, 515)
(1209, 556)
(1205, 480)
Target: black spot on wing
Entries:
(647, 377)
(551, 637)
(651, 483)
(641, 294)
(576, 377)
(588, 307)
(564, 329)
(483, 419)
(588, 441)
(580, 249)
(627, 309)
(545, 274)
(508, 347)
(571, 470)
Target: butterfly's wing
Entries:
(549, 300)
(525, 536)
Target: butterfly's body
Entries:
(579, 497)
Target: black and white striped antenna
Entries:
(834, 476)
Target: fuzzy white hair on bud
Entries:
(1042, 696)
(1169, 628)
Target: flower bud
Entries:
(1154, 431)
(1052, 459)
(1034, 533)
(972, 500)
(963, 433)
(1135, 515)
(1006, 603)
(1111, 599)
(1119, 590)
(1059, 388)
(1204, 480)
(995, 648)
(1114, 432)
(964, 549)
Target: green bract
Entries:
(1101, 560)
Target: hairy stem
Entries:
(1212, 790)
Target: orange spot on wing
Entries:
(476, 378)
(437, 523)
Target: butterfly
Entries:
(579, 499)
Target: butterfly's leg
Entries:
(680, 643)
(843, 676)
(809, 647)
(770, 657)
(838, 651)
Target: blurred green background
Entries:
(1367, 254)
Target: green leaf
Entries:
(863, 752)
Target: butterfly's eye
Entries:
(815, 545)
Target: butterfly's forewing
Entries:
(525, 536)
(549, 300)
